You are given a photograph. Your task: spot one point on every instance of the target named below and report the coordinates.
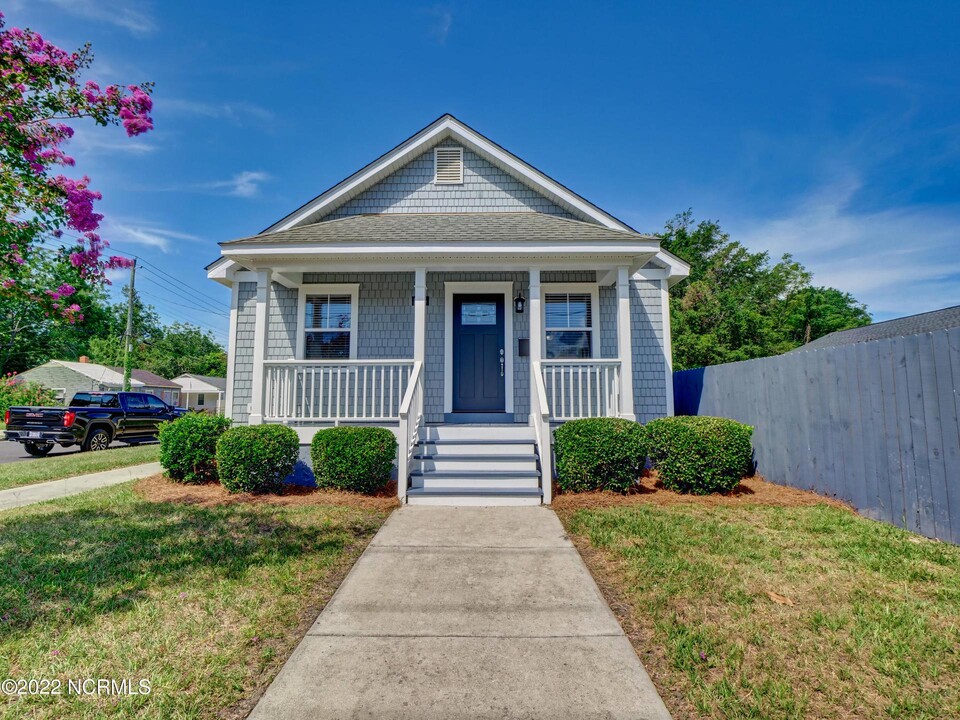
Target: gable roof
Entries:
(149, 379)
(944, 319)
(441, 129)
(216, 382)
(100, 373)
(111, 375)
(426, 228)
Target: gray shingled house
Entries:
(457, 295)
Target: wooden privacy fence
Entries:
(875, 423)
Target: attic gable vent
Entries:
(448, 166)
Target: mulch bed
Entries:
(157, 488)
(750, 491)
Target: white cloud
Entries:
(899, 260)
(127, 14)
(235, 112)
(144, 234)
(243, 184)
(442, 22)
(103, 141)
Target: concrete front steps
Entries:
(475, 465)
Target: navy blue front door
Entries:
(478, 353)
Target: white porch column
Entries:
(420, 314)
(624, 344)
(260, 323)
(536, 319)
(667, 341)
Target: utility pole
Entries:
(128, 335)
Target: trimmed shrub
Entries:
(188, 447)
(599, 454)
(353, 458)
(700, 455)
(257, 458)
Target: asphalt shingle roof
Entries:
(433, 228)
(900, 327)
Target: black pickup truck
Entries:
(92, 420)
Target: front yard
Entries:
(753, 607)
(28, 472)
(201, 595)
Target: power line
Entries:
(130, 255)
(204, 308)
(164, 302)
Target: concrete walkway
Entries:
(29, 494)
(465, 613)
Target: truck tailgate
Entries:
(26, 418)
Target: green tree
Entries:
(814, 312)
(30, 334)
(184, 348)
(738, 305)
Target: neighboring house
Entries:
(66, 378)
(900, 327)
(457, 295)
(202, 393)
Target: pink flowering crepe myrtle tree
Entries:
(40, 90)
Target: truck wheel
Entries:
(97, 440)
(38, 449)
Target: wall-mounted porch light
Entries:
(519, 302)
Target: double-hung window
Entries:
(328, 328)
(569, 324)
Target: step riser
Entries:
(494, 464)
(461, 500)
(474, 432)
(501, 483)
(492, 449)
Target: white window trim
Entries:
(591, 289)
(435, 163)
(351, 289)
(451, 288)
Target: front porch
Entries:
(409, 336)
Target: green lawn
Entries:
(873, 630)
(203, 602)
(27, 472)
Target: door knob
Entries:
(501, 362)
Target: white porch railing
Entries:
(411, 419)
(334, 390)
(581, 388)
(540, 419)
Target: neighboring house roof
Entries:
(443, 128)
(218, 383)
(99, 373)
(494, 228)
(911, 325)
(148, 379)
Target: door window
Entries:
(478, 313)
(136, 402)
(154, 403)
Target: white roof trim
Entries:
(444, 128)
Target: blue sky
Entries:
(831, 131)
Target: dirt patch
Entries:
(157, 488)
(750, 491)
